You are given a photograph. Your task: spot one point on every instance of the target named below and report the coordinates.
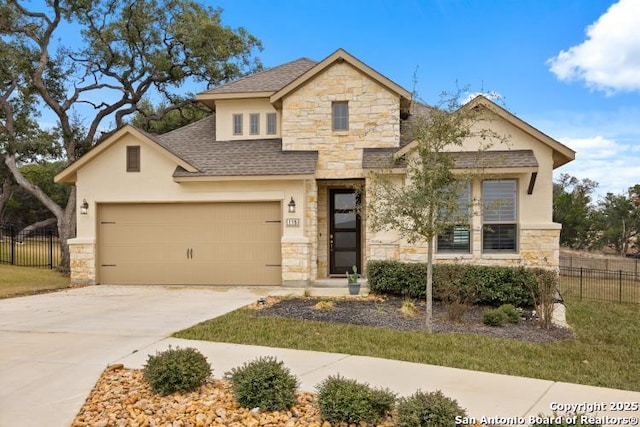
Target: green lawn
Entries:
(626, 290)
(31, 252)
(606, 352)
(17, 281)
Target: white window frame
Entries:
(254, 123)
(237, 124)
(272, 124)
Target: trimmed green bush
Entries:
(511, 313)
(179, 369)
(264, 383)
(345, 400)
(428, 409)
(491, 285)
(495, 317)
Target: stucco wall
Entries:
(374, 120)
(225, 109)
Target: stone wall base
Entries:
(83, 262)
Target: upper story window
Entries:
(271, 124)
(499, 215)
(456, 238)
(254, 123)
(133, 158)
(237, 124)
(340, 115)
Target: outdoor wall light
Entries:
(84, 208)
(292, 206)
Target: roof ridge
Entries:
(252, 75)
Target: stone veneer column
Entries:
(83, 262)
(296, 254)
(540, 246)
(311, 225)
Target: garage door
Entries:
(199, 243)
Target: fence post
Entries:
(580, 283)
(13, 244)
(50, 235)
(620, 283)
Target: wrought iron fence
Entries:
(631, 265)
(39, 248)
(600, 285)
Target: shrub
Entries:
(263, 383)
(478, 284)
(511, 313)
(408, 309)
(428, 409)
(324, 306)
(495, 317)
(345, 400)
(179, 369)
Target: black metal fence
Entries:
(600, 285)
(630, 265)
(39, 248)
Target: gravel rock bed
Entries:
(385, 313)
(122, 398)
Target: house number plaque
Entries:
(293, 222)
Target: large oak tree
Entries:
(90, 63)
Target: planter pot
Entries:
(354, 288)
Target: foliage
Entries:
(427, 199)
(264, 383)
(511, 313)
(494, 317)
(490, 285)
(618, 220)
(353, 276)
(124, 51)
(545, 291)
(346, 400)
(176, 370)
(428, 409)
(457, 295)
(408, 308)
(165, 118)
(572, 208)
(324, 306)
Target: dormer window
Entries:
(340, 115)
(271, 124)
(237, 124)
(254, 124)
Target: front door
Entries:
(344, 231)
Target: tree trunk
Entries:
(5, 194)
(66, 217)
(30, 228)
(429, 290)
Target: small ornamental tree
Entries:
(429, 197)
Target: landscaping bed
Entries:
(386, 312)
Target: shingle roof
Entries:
(196, 145)
(270, 80)
(374, 158)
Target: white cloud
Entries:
(615, 166)
(609, 59)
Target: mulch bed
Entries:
(384, 312)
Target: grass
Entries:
(606, 352)
(30, 252)
(18, 281)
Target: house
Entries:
(262, 192)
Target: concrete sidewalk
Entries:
(481, 393)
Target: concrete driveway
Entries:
(54, 346)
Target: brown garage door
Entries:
(195, 243)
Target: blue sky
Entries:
(570, 68)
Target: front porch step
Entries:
(336, 283)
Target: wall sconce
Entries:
(84, 207)
(292, 206)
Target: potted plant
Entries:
(352, 281)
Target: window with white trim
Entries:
(254, 123)
(340, 115)
(271, 124)
(456, 238)
(237, 124)
(500, 216)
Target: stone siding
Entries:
(374, 120)
(296, 261)
(83, 263)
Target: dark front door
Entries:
(344, 231)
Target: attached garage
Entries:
(190, 243)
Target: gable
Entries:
(125, 135)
